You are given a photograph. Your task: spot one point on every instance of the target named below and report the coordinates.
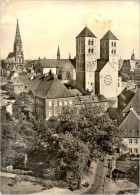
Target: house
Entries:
(99, 101)
(17, 82)
(50, 95)
(130, 130)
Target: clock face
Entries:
(68, 75)
(107, 79)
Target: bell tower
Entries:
(18, 51)
(86, 60)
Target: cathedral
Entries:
(97, 76)
(15, 59)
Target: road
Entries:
(97, 187)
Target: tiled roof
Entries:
(51, 88)
(130, 124)
(109, 36)
(100, 65)
(25, 79)
(86, 33)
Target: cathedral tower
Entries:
(18, 51)
(86, 60)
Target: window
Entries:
(112, 43)
(60, 103)
(50, 113)
(130, 150)
(112, 51)
(136, 141)
(89, 50)
(115, 51)
(55, 112)
(130, 141)
(55, 103)
(115, 44)
(70, 102)
(92, 50)
(65, 102)
(135, 150)
(89, 42)
(50, 103)
(92, 42)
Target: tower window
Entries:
(115, 51)
(112, 51)
(92, 42)
(89, 50)
(115, 44)
(89, 42)
(112, 44)
(92, 50)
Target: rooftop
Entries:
(86, 33)
(109, 36)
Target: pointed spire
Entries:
(133, 55)
(58, 53)
(17, 36)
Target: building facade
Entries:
(86, 60)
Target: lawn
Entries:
(25, 187)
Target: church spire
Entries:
(17, 36)
(58, 53)
(18, 51)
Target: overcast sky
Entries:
(46, 24)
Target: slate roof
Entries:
(109, 36)
(100, 65)
(51, 88)
(130, 125)
(86, 33)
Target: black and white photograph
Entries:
(69, 96)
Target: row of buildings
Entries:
(43, 80)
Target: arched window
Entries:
(112, 51)
(89, 41)
(91, 84)
(92, 42)
(112, 43)
(115, 44)
(92, 50)
(89, 50)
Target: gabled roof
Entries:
(86, 33)
(51, 88)
(109, 36)
(75, 92)
(130, 124)
(100, 65)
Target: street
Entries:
(98, 187)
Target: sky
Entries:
(45, 24)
